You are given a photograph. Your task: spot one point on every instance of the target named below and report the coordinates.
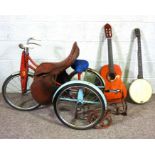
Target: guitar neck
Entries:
(140, 67)
(110, 56)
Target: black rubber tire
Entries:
(75, 127)
(91, 71)
(4, 94)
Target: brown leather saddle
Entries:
(46, 74)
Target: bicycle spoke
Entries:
(15, 86)
(13, 95)
(74, 112)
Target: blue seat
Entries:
(80, 65)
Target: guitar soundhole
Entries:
(111, 76)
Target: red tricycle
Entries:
(77, 97)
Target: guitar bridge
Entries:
(113, 91)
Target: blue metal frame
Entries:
(80, 96)
(80, 93)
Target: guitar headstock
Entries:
(108, 30)
(137, 32)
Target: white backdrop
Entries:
(59, 32)
(9, 50)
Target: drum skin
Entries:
(140, 91)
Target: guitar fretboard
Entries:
(110, 56)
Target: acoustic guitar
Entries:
(115, 89)
(140, 90)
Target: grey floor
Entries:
(42, 123)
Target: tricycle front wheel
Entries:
(13, 96)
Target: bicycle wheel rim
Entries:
(11, 91)
(67, 120)
(91, 76)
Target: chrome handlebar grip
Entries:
(30, 39)
(34, 43)
(28, 43)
